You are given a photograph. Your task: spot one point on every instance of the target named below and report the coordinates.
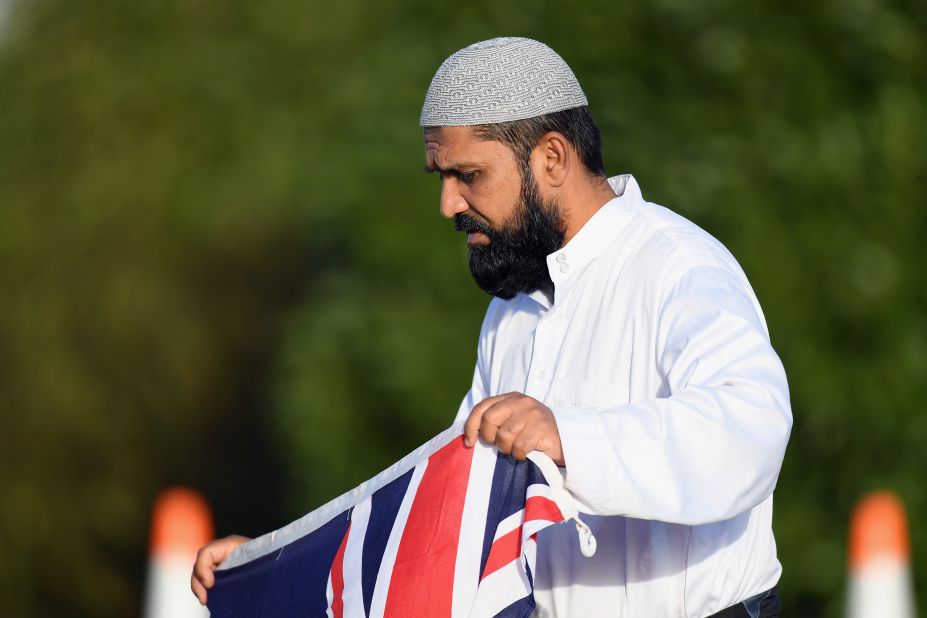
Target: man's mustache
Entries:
(466, 223)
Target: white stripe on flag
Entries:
(512, 522)
(473, 529)
(384, 575)
(501, 588)
(353, 595)
(529, 553)
(517, 518)
(539, 489)
(531, 526)
(329, 594)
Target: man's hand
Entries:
(209, 557)
(516, 424)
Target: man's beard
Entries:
(515, 260)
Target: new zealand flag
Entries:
(447, 531)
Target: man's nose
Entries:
(452, 202)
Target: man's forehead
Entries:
(448, 136)
(452, 147)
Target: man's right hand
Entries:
(209, 557)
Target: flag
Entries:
(447, 531)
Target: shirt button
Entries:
(561, 257)
(564, 268)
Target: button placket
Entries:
(539, 361)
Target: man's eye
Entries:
(467, 177)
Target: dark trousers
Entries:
(764, 605)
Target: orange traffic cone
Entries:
(181, 524)
(880, 578)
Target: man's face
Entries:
(510, 227)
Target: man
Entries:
(624, 342)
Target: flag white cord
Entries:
(565, 502)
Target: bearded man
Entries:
(623, 341)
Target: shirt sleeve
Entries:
(711, 444)
(476, 394)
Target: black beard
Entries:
(515, 260)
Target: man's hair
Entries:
(522, 136)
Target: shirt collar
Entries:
(566, 263)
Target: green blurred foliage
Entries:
(220, 265)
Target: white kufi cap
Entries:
(500, 80)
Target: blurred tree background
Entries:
(220, 265)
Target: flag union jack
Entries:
(446, 531)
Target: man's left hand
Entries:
(516, 424)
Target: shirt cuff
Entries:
(587, 456)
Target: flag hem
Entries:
(273, 541)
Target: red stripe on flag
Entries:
(422, 582)
(504, 550)
(337, 576)
(507, 548)
(539, 507)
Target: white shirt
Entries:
(672, 407)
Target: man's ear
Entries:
(552, 159)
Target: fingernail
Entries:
(467, 442)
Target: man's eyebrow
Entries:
(454, 169)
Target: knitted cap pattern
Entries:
(500, 80)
